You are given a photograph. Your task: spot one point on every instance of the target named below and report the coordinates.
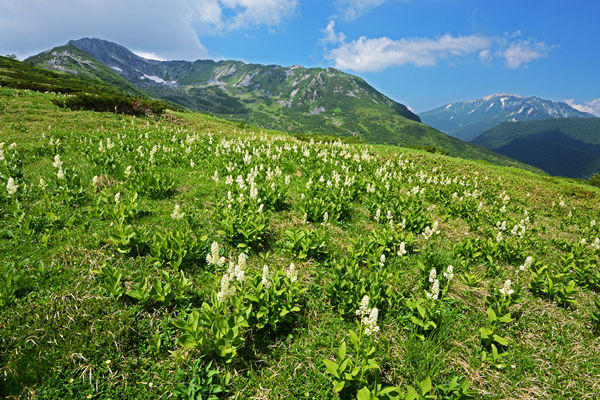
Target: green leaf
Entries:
(338, 386)
(342, 351)
(332, 368)
(485, 332)
(491, 314)
(500, 340)
(363, 394)
(425, 385)
(187, 341)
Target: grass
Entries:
(63, 336)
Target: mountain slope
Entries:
(70, 59)
(18, 74)
(565, 147)
(293, 99)
(466, 120)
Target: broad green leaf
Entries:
(363, 394)
(332, 368)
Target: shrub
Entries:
(113, 103)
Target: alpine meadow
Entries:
(220, 229)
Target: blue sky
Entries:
(422, 53)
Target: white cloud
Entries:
(331, 36)
(592, 106)
(350, 10)
(523, 52)
(377, 54)
(168, 28)
(148, 55)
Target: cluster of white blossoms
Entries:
(430, 231)
(449, 274)
(402, 250)
(118, 198)
(234, 272)
(58, 164)
(435, 285)
(291, 273)
(382, 260)
(526, 264)
(596, 244)
(11, 187)
(506, 290)
(368, 316)
(214, 258)
(177, 213)
(266, 282)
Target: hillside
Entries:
(17, 74)
(293, 99)
(182, 257)
(70, 59)
(466, 120)
(563, 147)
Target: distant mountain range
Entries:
(466, 120)
(563, 147)
(293, 99)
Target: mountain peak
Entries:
(496, 95)
(466, 120)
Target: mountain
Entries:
(71, 60)
(22, 75)
(564, 147)
(293, 99)
(466, 120)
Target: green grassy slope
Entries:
(95, 245)
(565, 147)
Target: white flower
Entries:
(402, 251)
(215, 177)
(596, 244)
(192, 163)
(177, 213)
(57, 162)
(370, 322)
(499, 237)
(449, 274)
(95, 180)
(214, 256)
(265, 277)
(128, 171)
(60, 174)
(506, 290)
(363, 309)
(118, 198)
(430, 231)
(11, 188)
(377, 214)
(435, 290)
(240, 267)
(291, 272)
(227, 287)
(432, 275)
(526, 264)
(325, 217)
(382, 260)
(592, 223)
(43, 184)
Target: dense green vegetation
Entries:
(181, 256)
(563, 147)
